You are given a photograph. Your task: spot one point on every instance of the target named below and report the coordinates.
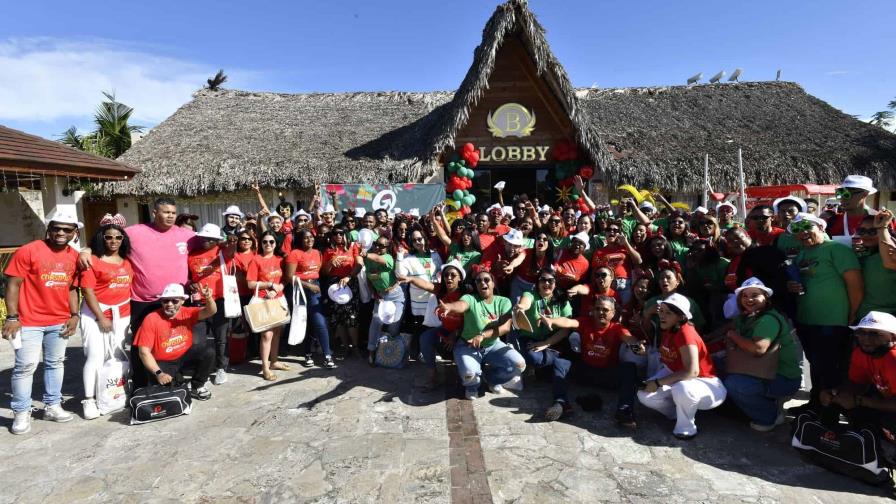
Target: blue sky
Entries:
(57, 57)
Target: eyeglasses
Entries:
(245, 238)
(677, 223)
(866, 232)
(541, 239)
(555, 221)
(61, 229)
(113, 237)
(613, 230)
(170, 301)
(843, 193)
(382, 245)
(338, 233)
(802, 226)
(760, 217)
(603, 274)
(547, 280)
(419, 239)
(485, 281)
(268, 242)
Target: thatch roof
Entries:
(225, 140)
(659, 136)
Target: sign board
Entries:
(389, 197)
(511, 120)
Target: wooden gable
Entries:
(515, 80)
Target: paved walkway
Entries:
(369, 435)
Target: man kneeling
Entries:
(165, 341)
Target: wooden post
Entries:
(743, 184)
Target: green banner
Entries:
(390, 197)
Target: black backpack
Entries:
(854, 452)
(159, 402)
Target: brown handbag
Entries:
(763, 366)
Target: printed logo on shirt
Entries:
(881, 385)
(598, 349)
(122, 281)
(181, 247)
(667, 354)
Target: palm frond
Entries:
(215, 82)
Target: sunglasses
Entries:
(802, 226)
(60, 229)
(547, 280)
(602, 275)
(555, 221)
(677, 223)
(113, 237)
(542, 239)
(171, 301)
(613, 231)
(760, 217)
(485, 281)
(866, 232)
(268, 242)
(245, 238)
(382, 245)
(843, 193)
(339, 233)
(451, 275)
(419, 239)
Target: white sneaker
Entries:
(55, 413)
(471, 394)
(21, 424)
(515, 384)
(496, 389)
(220, 377)
(90, 409)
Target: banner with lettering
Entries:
(390, 197)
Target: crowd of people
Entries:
(673, 311)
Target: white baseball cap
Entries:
(859, 182)
(680, 302)
(877, 321)
(701, 209)
(753, 283)
(726, 204)
(802, 216)
(328, 208)
(339, 295)
(796, 199)
(414, 212)
(646, 205)
(212, 231)
(173, 290)
(515, 237)
(582, 237)
(64, 216)
(387, 312)
(233, 210)
(299, 214)
(456, 265)
(360, 212)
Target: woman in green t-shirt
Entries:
(878, 266)
(544, 302)
(486, 318)
(760, 329)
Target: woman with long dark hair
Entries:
(540, 256)
(304, 263)
(341, 265)
(106, 311)
(265, 276)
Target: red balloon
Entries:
(586, 172)
(469, 183)
(468, 147)
(450, 188)
(472, 158)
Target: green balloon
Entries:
(458, 194)
(472, 200)
(452, 167)
(468, 200)
(574, 197)
(462, 162)
(466, 193)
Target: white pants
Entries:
(680, 401)
(96, 346)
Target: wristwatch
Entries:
(159, 372)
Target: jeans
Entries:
(35, 339)
(376, 325)
(216, 329)
(429, 339)
(517, 287)
(623, 378)
(827, 349)
(545, 358)
(758, 398)
(681, 400)
(501, 363)
(318, 323)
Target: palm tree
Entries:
(215, 82)
(112, 136)
(883, 118)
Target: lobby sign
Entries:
(512, 120)
(388, 197)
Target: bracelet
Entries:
(75, 314)
(12, 318)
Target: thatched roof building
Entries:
(225, 140)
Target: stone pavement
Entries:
(358, 434)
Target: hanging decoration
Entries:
(567, 165)
(460, 181)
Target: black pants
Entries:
(827, 349)
(623, 378)
(216, 330)
(139, 311)
(197, 362)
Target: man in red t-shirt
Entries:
(600, 366)
(208, 265)
(165, 341)
(42, 312)
(869, 396)
(572, 265)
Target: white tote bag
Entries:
(232, 308)
(112, 377)
(299, 322)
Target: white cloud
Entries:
(47, 79)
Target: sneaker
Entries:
(685, 437)
(220, 377)
(515, 384)
(556, 411)
(625, 417)
(309, 361)
(328, 362)
(21, 424)
(496, 389)
(471, 394)
(201, 394)
(768, 428)
(90, 409)
(55, 413)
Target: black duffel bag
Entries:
(159, 402)
(854, 452)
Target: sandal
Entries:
(269, 376)
(280, 366)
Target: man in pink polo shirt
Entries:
(159, 257)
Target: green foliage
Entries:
(112, 136)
